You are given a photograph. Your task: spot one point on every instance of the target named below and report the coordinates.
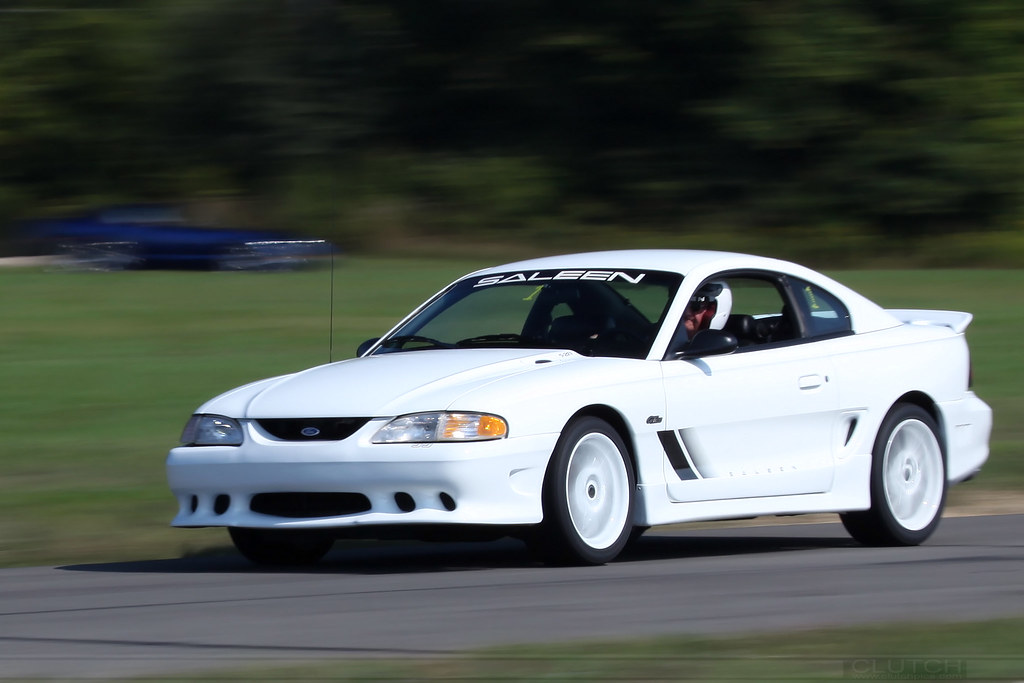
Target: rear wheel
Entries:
(908, 482)
(588, 496)
(280, 547)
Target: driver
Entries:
(708, 309)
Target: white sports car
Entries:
(575, 401)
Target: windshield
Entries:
(593, 312)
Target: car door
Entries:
(760, 421)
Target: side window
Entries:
(823, 313)
(759, 314)
(762, 310)
(758, 298)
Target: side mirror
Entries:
(365, 346)
(708, 343)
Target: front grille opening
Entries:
(312, 428)
(299, 505)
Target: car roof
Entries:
(700, 264)
(682, 261)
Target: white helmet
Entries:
(724, 301)
(716, 292)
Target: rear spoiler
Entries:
(954, 320)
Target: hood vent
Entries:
(312, 428)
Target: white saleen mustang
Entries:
(574, 401)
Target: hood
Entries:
(384, 385)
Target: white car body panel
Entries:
(773, 431)
(786, 429)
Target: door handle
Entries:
(811, 382)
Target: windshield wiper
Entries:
(402, 339)
(491, 339)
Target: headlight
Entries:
(212, 430)
(433, 427)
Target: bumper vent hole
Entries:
(448, 502)
(405, 502)
(194, 503)
(297, 505)
(221, 504)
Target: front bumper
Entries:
(480, 483)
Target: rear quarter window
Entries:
(823, 313)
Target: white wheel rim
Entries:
(913, 474)
(597, 490)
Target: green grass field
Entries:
(101, 370)
(979, 651)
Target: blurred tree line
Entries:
(833, 121)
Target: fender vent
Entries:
(849, 432)
(310, 504)
(675, 454)
(312, 428)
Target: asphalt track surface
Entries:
(200, 614)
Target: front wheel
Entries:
(908, 482)
(280, 547)
(588, 496)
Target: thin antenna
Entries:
(330, 343)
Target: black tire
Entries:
(280, 547)
(635, 534)
(588, 496)
(908, 481)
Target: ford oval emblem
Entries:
(310, 431)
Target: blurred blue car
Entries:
(137, 238)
